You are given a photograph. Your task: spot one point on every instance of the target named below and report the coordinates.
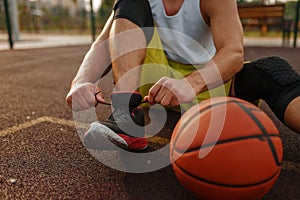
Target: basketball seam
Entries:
(204, 109)
(226, 185)
(262, 128)
(260, 137)
(250, 114)
(186, 124)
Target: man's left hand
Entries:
(170, 92)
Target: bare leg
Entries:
(292, 115)
(128, 50)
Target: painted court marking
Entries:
(66, 122)
(285, 164)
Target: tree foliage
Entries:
(290, 9)
(104, 12)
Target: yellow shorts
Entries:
(156, 65)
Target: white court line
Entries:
(37, 121)
(32, 62)
(285, 164)
(24, 63)
(21, 126)
(66, 122)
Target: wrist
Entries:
(197, 82)
(78, 82)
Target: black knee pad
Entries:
(271, 79)
(137, 11)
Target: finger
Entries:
(167, 99)
(153, 92)
(87, 99)
(69, 101)
(79, 102)
(97, 92)
(84, 102)
(99, 98)
(72, 102)
(90, 99)
(75, 106)
(146, 100)
(164, 92)
(160, 95)
(174, 102)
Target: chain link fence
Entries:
(56, 16)
(74, 17)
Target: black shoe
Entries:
(124, 128)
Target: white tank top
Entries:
(185, 36)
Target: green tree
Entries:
(290, 9)
(104, 12)
(2, 17)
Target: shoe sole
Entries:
(100, 137)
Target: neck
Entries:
(172, 6)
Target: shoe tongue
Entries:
(126, 100)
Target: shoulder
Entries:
(212, 8)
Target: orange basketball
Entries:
(226, 148)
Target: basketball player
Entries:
(188, 49)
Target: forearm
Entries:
(97, 60)
(94, 64)
(227, 32)
(221, 68)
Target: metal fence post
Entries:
(14, 19)
(93, 21)
(296, 24)
(8, 24)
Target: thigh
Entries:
(155, 65)
(272, 79)
(136, 11)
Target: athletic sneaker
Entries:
(124, 128)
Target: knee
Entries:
(276, 82)
(278, 70)
(282, 81)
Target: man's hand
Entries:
(84, 96)
(171, 92)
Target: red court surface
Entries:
(42, 156)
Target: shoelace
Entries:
(109, 104)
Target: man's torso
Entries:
(185, 35)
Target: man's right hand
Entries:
(84, 96)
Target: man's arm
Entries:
(228, 38)
(97, 59)
(95, 64)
